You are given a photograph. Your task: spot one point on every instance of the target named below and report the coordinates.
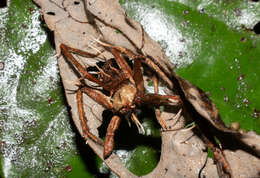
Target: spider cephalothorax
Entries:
(125, 86)
(123, 98)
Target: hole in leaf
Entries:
(3, 3)
(50, 13)
(257, 28)
(76, 2)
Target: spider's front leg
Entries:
(66, 52)
(109, 140)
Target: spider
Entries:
(125, 84)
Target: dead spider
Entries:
(125, 84)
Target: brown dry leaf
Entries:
(183, 152)
(202, 104)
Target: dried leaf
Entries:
(202, 104)
(183, 152)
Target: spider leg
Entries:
(83, 53)
(138, 77)
(80, 68)
(83, 120)
(223, 167)
(177, 118)
(97, 96)
(109, 140)
(157, 69)
(101, 71)
(157, 110)
(123, 65)
(158, 100)
(137, 123)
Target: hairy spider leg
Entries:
(81, 69)
(83, 120)
(97, 96)
(158, 100)
(109, 140)
(157, 69)
(223, 167)
(138, 77)
(138, 124)
(83, 53)
(157, 110)
(123, 65)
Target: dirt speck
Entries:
(246, 101)
(243, 39)
(226, 99)
(50, 100)
(241, 77)
(256, 113)
(182, 40)
(31, 9)
(68, 168)
(185, 12)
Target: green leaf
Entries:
(212, 43)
